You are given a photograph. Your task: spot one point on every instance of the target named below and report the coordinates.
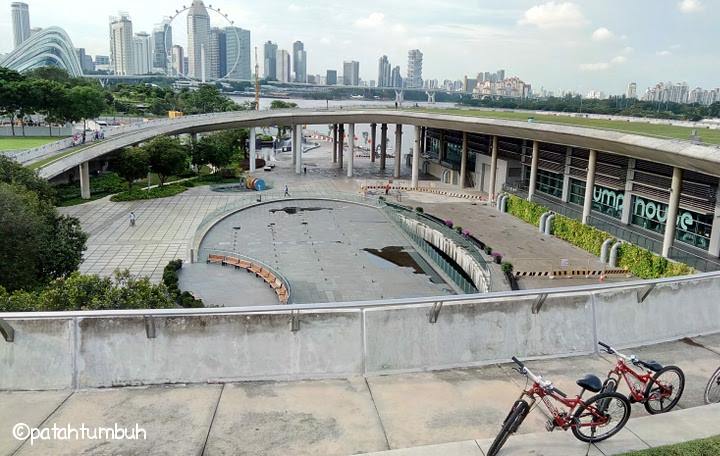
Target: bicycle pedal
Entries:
(550, 426)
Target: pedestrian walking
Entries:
(387, 188)
(132, 218)
(287, 192)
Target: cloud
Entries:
(398, 28)
(690, 6)
(602, 34)
(372, 21)
(554, 15)
(293, 8)
(663, 53)
(599, 66)
(627, 50)
(619, 60)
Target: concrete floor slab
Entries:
(176, 420)
(678, 426)
(28, 407)
(444, 406)
(464, 448)
(225, 286)
(329, 417)
(543, 444)
(622, 442)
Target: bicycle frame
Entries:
(560, 419)
(621, 369)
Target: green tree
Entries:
(11, 85)
(167, 157)
(279, 104)
(85, 103)
(132, 164)
(11, 172)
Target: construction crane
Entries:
(257, 82)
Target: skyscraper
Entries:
(396, 77)
(331, 77)
(282, 70)
(351, 73)
(162, 44)
(270, 60)
(384, 72)
(142, 53)
(20, 22)
(632, 90)
(414, 70)
(121, 45)
(299, 63)
(218, 54)
(238, 61)
(198, 38)
(177, 60)
(86, 61)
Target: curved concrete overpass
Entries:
(682, 154)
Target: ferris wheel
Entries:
(168, 51)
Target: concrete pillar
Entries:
(373, 138)
(714, 247)
(534, 169)
(293, 138)
(463, 160)
(589, 186)
(252, 149)
(335, 142)
(627, 198)
(351, 149)
(416, 158)
(85, 180)
(297, 149)
(383, 146)
(441, 153)
(398, 149)
(341, 145)
(193, 137)
(493, 169)
(566, 175)
(672, 211)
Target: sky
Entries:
(577, 45)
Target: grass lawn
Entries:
(25, 142)
(703, 447)
(641, 128)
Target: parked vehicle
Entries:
(658, 388)
(712, 390)
(592, 420)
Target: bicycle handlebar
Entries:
(612, 351)
(546, 384)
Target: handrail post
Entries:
(435, 311)
(149, 327)
(7, 331)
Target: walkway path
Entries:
(353, 415)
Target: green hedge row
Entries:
(155, 192)
(640, 262)
(170, 279)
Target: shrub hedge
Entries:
(640, 262)
(156, 192)
(170, 279)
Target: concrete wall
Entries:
(81, 352)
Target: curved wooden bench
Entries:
(215, 259)
(268, 277)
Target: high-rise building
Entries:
(282, 67)
(198, 40)
(331, 77)
(102, 63)
(177, 60)
(500, 75)
(238, 60)
(299, 63)
(396, 79)
(86, 62)
(20, 22)
(414, 69)
(162, 44)
(351, 73)
(632, 90)
(384, 72)
(142, 53)
(270, 61)
(218, 54)
(121, 45)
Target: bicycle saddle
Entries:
(590, 382)
(652, 365)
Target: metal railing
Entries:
(643, 287)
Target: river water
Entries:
(408, 136)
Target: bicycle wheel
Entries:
(712, 390)
(511, 424)
(609, 386)
(664, 390)
(593, 425)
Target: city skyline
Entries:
(594, 49)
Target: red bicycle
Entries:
(596, 419)
(658, 388)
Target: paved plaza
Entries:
(328, 251)
(351, 415)
(165, 227)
